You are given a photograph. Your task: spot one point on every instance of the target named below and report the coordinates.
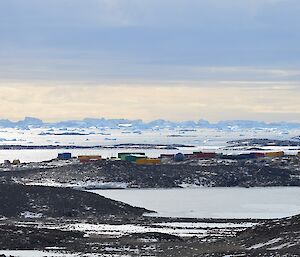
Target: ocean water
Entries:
(200, 139)
(261, 203)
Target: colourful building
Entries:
(64, 156)
(89, 158)
(134, 157)
(148, 161)
(259, 155)
(179, 157)
(202, 155)
(274, 154)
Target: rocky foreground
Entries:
(279, 237)
(39, 217)
(54, 228)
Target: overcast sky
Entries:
(172, 59)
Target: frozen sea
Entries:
(260, 203)
(200, 139)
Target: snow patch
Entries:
(31, 215)
(260, 245)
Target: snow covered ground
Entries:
(203, 230)
(199, 229)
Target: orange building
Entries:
(89, 158)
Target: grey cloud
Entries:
(133, 38)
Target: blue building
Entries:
(64, 156)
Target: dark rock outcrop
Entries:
(19, 200)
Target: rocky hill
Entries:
(40, 201)
(278, 237)
(222, 173)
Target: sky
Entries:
(150, 59)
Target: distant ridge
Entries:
(139, 124)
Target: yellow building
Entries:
(274, 154)
(148, 161)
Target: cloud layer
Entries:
(151, 39)
(174, 59)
